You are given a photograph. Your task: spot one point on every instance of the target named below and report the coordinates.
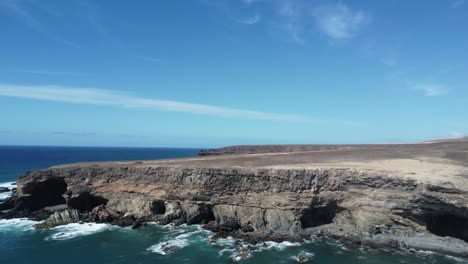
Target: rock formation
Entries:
(413, 195)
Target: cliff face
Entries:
(363, 204)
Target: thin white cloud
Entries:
(249, 2)
(44, 72)
(291, 20)
(456, 134)
(431, 89)
(250, 20)
(17, 9)
(458, 3)
(115, 99)
(148, 58)
(339, 21)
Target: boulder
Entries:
(101, 214)
(60, 218)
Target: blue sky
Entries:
(208, 73)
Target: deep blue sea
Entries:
(101, 243)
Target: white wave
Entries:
(243, 254)
(169, 247)
(172, 244)
(222, 251)
(4, 196)
(246, 250)
(303, 256)
(268, 245)
(76, 229)
(10, 186)
(456, 259)
(225, 242)
(17, 224)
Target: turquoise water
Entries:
(101, 243)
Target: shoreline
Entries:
(390, 196)
(240, 249)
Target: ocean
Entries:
(102, 243)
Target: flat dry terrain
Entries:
(436, 161)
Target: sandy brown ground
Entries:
(436, 161)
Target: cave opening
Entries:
(317, 216)
(158, 207)
(86, 201)
(46, 193)
(204, 215)
(448, 225)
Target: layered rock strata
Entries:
(418, 201)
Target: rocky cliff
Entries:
(408, 196)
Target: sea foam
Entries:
(76, 229)
(10, 186)
(170, 245)
(17, 224)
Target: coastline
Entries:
(242, 197)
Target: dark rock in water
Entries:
(247, 228)
(168, 248)
(4, 189)
(127, 220)
(232, 224)
(137, 224)
(60, 218)
(304, 257)
(101, 214)
(9, 203)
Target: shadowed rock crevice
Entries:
(158, 207)
(448, 225)
(43, 193)
(317, 216)
(82, 198)
(203, 214)
(85, 201)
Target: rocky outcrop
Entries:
(370, 206)
(60, 218)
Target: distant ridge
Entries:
(288, 148)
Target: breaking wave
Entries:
(10, 186)
(17, 224)
(76, 229)
(181, 240)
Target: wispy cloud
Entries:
(75, 134)
(458, 3)
(18, 9)
(431, 89)
(294, 20)
(291, 20)
(44, 72)
(148, 58)
(116, 99)
(339, 21)
(456, 134)
(389, 61)
(249, 20)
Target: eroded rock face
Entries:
(60, 218)
(376, 208)
(40, 191)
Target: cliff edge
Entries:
(393, 195)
